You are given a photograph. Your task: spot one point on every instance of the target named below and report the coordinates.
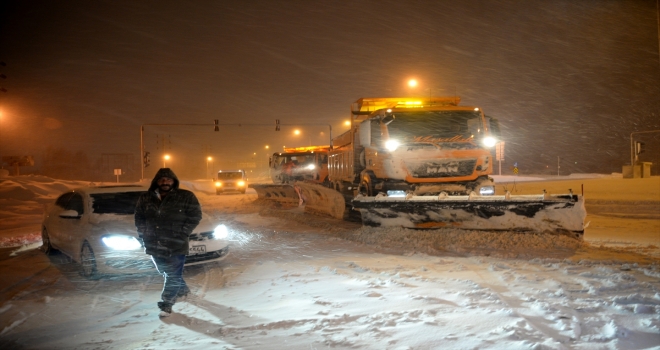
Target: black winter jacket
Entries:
(164, 226)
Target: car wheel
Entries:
(46, 247)
(87, 261)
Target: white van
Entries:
(230, 180)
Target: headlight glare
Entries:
(220, 232)
(241, 183)
(311, 167)
(218, 184)
(489, 141)
(392, 145)
(121, 242)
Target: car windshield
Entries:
(446, 125)
(115, 203)
(230, 176)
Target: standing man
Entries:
(165, 217)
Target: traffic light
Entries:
(277, 125)
(216, 128)
(639, 147)
(146, 159)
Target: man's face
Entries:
(165, 184)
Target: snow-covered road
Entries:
(300, 282)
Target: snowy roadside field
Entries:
(303, 282)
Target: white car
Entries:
(95, 227)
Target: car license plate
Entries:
(197, 249)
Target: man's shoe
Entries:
(165, 309)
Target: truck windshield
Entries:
(444, 125)
(230, 176)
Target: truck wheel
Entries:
(366, 187)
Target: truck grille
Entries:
(440, 169)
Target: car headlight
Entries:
(241, 183)
(218, 184)
(121, 242)
(220, 232)
(489, 141)
(392, 145)
(310, 167)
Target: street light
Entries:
(298, 132)
(208, 159)
(165, 159)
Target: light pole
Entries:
(165, 159)
(557, 165)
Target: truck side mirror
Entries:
(388, 118)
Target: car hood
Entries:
(126, 223)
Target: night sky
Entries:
(568, 79)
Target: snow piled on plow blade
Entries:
(564, 214)
(284, 193)
(315, 198)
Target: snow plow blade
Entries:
(564, 214)
(285, 194)
(316, 198)
(320, 199)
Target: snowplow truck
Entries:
(424, 164)
(399, 146)
(300, 164)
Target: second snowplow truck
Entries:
(401, 146)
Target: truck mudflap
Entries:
(563, 214)
(284, 193)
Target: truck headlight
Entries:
(220, 232)
(487, 191)
(489, 141)
(392, 145)
(121, 242)
(218, 184)
(310, 167)
(241, 183)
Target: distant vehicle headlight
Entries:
(121, 242)
(489, 141)
(218, 184)
(311, 166)
(392, 145)
(241, 183)
(220, 232)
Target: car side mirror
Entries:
(70, 214)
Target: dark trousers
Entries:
(172, 269)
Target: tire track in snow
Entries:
(515, 304)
